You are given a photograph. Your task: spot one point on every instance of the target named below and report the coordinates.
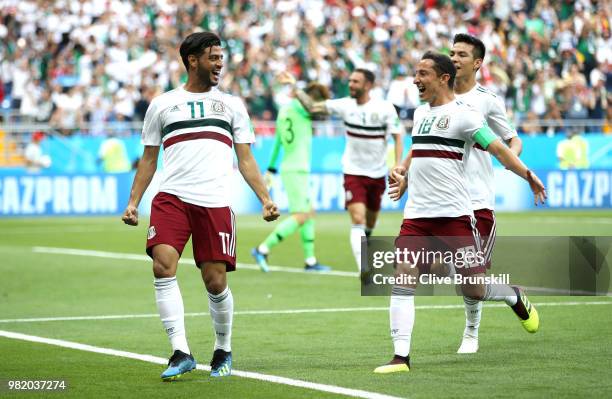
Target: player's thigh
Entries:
(412, 244)
(355, 190)
(461, 239)
(169, 224)
(298, 191)
(375, 188)
(213, 235)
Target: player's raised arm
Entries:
(313, 107)
(506, 157)
(250, 171)
(146, 169)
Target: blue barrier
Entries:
(78, 154)
(51, 194)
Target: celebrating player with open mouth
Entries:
(439, 209)
(198, 126)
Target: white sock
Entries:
(171, 311)
(221, 308)
(500, 292)
(401, 318)
(357, 231)
(263, 248)
(473, 311)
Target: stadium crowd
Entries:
(71, 61)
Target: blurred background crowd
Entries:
(76, 62)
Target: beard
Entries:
(356, 93)
(204, 75)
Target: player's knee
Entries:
(214, 280)
(475, 292)
(163, 269)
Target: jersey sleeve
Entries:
(241, 123)
(498, 120)
(394, 125)
(476, 128)
(336, 106)
(151, 127)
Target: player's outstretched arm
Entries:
(250, 171)
(513, 163)
(313, 108)
(516, 145)
(146, 169)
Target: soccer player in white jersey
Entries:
(198, 126)
(438, 213)
(369, 123)
(467, 55)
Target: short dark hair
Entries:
(479, 47)
(369, 75)
(442, 65)
(196, 43)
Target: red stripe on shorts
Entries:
(196, 136)
(436, 154)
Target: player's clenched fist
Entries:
(270, 211)
(130, 216)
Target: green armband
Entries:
(484, 136)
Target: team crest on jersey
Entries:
(443, 122)
(152, 233)
(375, 118)
(217, 107)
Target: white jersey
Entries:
(197, 131)
(479, 169)
(442, 138)
(368, 128)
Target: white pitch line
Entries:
(126, 256)
(282, 311)
(355, 393)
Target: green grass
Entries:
(569, 357)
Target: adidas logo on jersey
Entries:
(175, 108)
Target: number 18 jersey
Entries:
(441, 141)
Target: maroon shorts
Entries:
(451, 238)
(213, 229)
(485, 223)
(365, 190)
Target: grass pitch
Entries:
(568, 357)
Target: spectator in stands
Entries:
(121, 43)
(113, 156)
(35, 159)
(573, 151)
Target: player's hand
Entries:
(537, 187)
(397, 173)
(285, 78)
(130, 216)
(269, 179)
(270, 211)
(397, 188)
